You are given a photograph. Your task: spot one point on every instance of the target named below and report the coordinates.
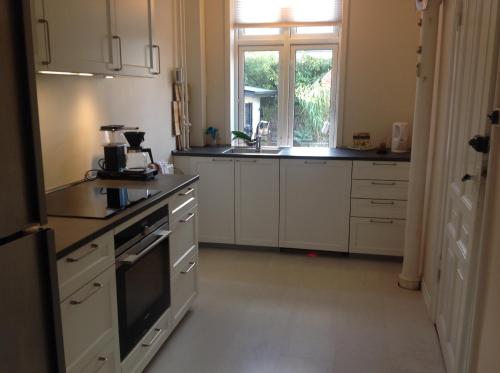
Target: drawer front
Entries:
(378, 208)
(183, 237)
(368, 170)
(105, 360)
(146, 349)
(377, 236)
(377, 189)
(85, 263)
(89, 317)
(181, 203)
(184, 286)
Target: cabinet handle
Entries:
(153, 340)
(383, 183)
(47, 39)
(155, 46)
(191, 266)
(382, 203)
(116, 37)
(190, 216)
(96, 287)
(384, 164)
(93, 247)
(186, 193)
(102, 360)
(314, 162)
(132, 258)
(247, 160)
(381, 221)
(221, 160)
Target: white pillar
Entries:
(410, 276)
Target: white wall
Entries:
(380, 76)
(73, 108)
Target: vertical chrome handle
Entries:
(116, 37)
(157, 47)
(155, 337)
(96, 285)
(47, 39)
(93, 247)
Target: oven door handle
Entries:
(131, 259)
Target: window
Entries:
(287, 71)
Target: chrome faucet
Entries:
(258, 136)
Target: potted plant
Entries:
(212, 133)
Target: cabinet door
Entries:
(133, 40)
(257, 201)
(314, 204)
(73, 36)
(215, 199)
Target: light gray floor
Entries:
(269, 312)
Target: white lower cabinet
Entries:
(184, 285)
(314, 204)
(215, 198)
(257, 201)
(90, 325)
(377, 236)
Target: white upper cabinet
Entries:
(314, 204)
(215, 198)
(97, 36)
(135, 52)
(257, 201)
(73, 36)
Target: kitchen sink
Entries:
(252, 151)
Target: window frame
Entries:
(285, 42)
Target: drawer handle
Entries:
(381, 221)
(102, 360)
(153, 340)
(314, 162)
(191, 266)
(96, 285)
(382, 203)
(247, 161)
(221, 160)
(382, 183)
(93, 247)
(187, 193)
(384, 164)
(190, 216)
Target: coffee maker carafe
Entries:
(137, 156)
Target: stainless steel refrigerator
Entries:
(30, 327)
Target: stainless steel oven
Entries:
(142, 277)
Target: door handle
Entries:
(131, 259)
(157, 47)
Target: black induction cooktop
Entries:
(84, 201)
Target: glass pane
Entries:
(261, 77)
(261, 31)
(313, 81)
(308, 30)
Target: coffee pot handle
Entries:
(148, 150)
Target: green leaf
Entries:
(241, 135)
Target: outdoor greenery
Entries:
(312, 93)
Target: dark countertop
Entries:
(299, 153)
(72, 233)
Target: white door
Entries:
(73, 36)
(315, 204)
(215, 199)
(133, 38)
(257, 201)
(472, 94)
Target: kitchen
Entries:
(181, 208)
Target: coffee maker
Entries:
(114, 163)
